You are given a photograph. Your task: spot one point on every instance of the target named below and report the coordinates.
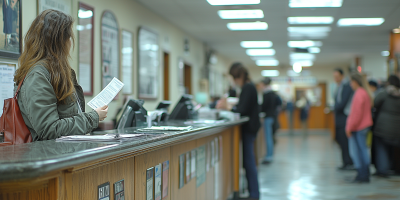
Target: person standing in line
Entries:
(343, 97)
(247, 106)
(304, 106)
(358, 124)
(290, 112)
(386, 130)
(270, 108)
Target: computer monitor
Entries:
(183, 109)
(135, 114)
(163, 105)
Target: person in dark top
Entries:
(270, 108)
(247, 106)
(232, 92)
(343, 97)
(386, 131)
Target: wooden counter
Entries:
(74, 170)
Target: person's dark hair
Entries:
(238, 70)
(266, 81)
(373, 83)
(394, 80)
(47, 40)
(339, 70)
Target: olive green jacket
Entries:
(45, 118)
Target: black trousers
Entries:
(343, 142)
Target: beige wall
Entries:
(130, 16)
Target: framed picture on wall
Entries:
(10, 37)
(127, 61)
(85, 29)
(109, 48)
(148, 63)
(61, 5)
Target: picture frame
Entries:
(11, 36)
(60, 5)
(127, 61)
(110, 48)
(85, 30)
(148, 63)
(7, 71)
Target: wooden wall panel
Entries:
(42, 190)
(82, 184)
(226, 167)
(146, 161)
(188, 191)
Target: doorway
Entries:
(166, 76)
(188, 78)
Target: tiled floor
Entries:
(305, 169)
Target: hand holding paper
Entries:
(107, 94)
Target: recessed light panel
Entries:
(260, 52)
(267, 63)
(247, 26)
(316, 35)
(270, 73)
(309, 29)
(262, 58)
(310, 20)
(232, 2)
(304, 63)
(314, 3)
(241, 14)
(256, 44)
(385, 53)
(314, 50)
(304, 44)
(302, 56)
(360, 21)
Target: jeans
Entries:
(359, 153)
(249, 164)
(269, 139)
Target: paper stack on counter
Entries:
(166, 128)
(107, 94)
(97, 138)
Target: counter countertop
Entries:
(32, 160)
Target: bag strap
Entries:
(19, 87)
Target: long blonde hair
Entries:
(47, 41)
(361, 80)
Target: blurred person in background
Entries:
(373, 86)
(289, 112)
(304, 105)
(358, 124)
(343, 97)
(387, 127)
(248, 106)
(270, 108)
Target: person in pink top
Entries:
(358, 124)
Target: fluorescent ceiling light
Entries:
(269, 73)
(243, 26)
(309, 29)
(267, 63)
(396, 30)
(297, 67)
(85, 14)
(385, 53)
(310, 20)
(303, 63)
(232, 2)
(262, 58)
(314, 3)
(360, 21)
(304, 44)
(256, 44)
(302, 56)
(241, 14)
(260, 52)
(317, 35)
(314, 50)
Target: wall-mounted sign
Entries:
(157, 182)
(150, 183)
(188, 172)
(60, 5)
(119, 190)
(200, 165)
(193, 164)
(165, 179)
(103, 191)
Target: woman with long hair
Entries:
(358, 124)
(50, 99)
(248, 106)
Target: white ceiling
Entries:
(200, 19)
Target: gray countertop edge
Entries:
(16, 171)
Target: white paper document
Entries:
(107, 94)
